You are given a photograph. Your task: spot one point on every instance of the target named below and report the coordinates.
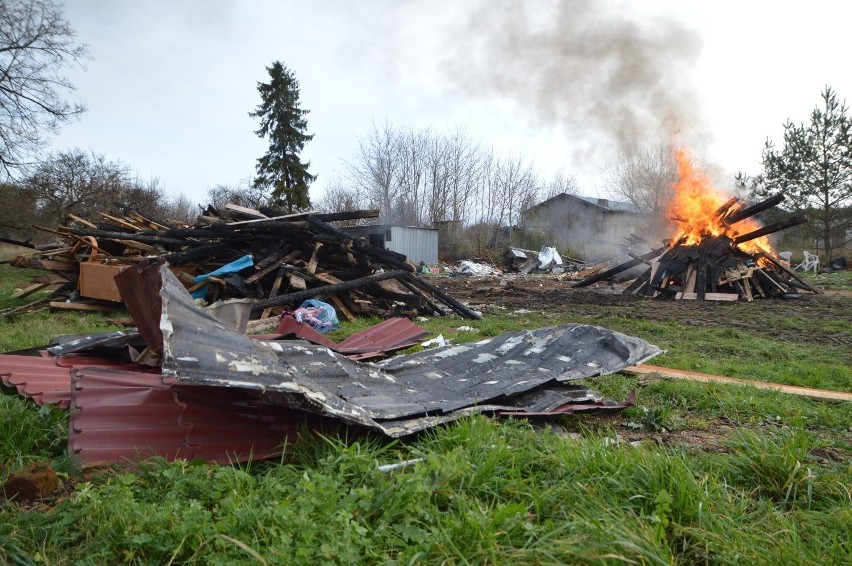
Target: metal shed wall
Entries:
(418, 244)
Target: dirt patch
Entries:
(549, 294)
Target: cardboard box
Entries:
(97, 281)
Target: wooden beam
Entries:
(29, 290)
(708, 296)
(86, 306)
(326, 290)
(743, 213)
(822, 394)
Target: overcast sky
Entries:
(566, 84)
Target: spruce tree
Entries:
(814, 170)
(281, 170)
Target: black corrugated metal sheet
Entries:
(401, 395)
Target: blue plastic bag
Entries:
(319, 315)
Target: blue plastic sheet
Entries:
(233, 267)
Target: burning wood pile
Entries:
(719, 253)
(236, 252)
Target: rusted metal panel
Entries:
(387, 336)
(140, 291)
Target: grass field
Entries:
(694, 473)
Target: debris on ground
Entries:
(216, 394)
(35, 481)
(469, 267)
(548, 260)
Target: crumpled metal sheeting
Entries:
(426, 386)
(115, 340)
(495, 369)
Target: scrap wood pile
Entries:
(235, 252)
(717, 265)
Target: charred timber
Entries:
(348, 215)
(391, 258)
(771, 228)
(606, 274)
(299, 296)
(443, 297)
(754, 209)
(109, 235)
(722, 210)
(201, 252)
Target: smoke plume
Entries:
(607, 77)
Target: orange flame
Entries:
(695, 207)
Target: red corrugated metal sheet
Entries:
(119, 416)
(388, 336)
(46, 379)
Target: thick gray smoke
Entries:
(613, 80)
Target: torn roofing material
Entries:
(401, 395)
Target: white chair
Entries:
(787, 257)
(811, 261)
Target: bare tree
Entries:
(375, 171)
(245, 194)
(179, 208)
(17, 212)
(561, 184)
(645, 177)
(339, 196)
(76, 182)
(36, 45)
(507, 186)
(412, 151)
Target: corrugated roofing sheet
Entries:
(121, 416)
(47, 379)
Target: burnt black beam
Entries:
(201, 252)
(775, 227)
(381, 254)
(722, 210)
(110, 235)
(606, 274)
(443, 297)
(754, 209)
(299, 296)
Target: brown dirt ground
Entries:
(547, 293)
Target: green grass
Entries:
(834, 281)
(485, 492)
(768, 483)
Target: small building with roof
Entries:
(591, 227)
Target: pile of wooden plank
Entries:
(280, 261)
(717, 267)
